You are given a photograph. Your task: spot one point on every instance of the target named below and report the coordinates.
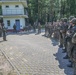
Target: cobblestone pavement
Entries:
(5, 67)
(35, 55)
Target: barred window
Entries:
(7, 6)
(8, 22)
(16, 6)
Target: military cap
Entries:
(73, 21)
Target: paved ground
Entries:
(33, 54)
(5, 67)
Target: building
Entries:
(13, 12)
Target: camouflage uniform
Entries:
(73, 54)
(4, 33)
(34, 26)
(68, 33)
(46, 29)
(56, 31)
(73, 46)
(39, 28)
(68, 40)
(64, 30)
(0, 30)
(50, 29)
(60, 33)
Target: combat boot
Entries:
(60, 46)
(64, 50)
(70, 65)
(66, 57)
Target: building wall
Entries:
(12, 9)
(12, 21)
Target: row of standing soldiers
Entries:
(67, 38)
(65, 32)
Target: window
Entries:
(8, 22)
(7, 6)
(16, 6)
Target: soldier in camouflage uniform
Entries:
(73, 44)
(4, 32)
(56, 31)
(68, 40)
(60, 33)
(73, 52)
(0, 30)
(39, 28)
(62, 30)
(46, 29)
(50, 29)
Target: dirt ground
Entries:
(5, 66)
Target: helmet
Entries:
(73, 20)
(62, 19)
(65, 19)
(71, 17)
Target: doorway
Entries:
(17, 22)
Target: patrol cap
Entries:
(73, 21)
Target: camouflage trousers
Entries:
(46, 33)
(60, 38)
(39, 31)
(69, 48)
(64, 40)
(74, 67)
(50, 31)
(56, 35)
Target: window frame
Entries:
(8, 22)
(16, 6)
(7, 6)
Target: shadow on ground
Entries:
(55, 41)
(21, 33)
(63, 62)
(25, 32)
(1, 41)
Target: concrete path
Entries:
(33, 54)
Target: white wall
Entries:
(12, 21)
(12, 9)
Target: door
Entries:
(17, 25)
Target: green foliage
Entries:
(50, 10)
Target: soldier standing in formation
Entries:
(34, 26)
(50, 29)
(60, 33)
(39, 28)
(0, 30)
(69, 42)
(46, 29)
(73, 44)
(4, 32)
